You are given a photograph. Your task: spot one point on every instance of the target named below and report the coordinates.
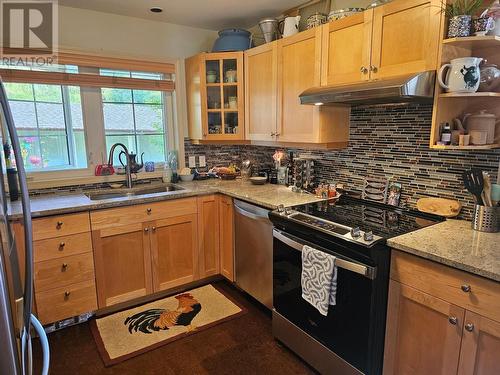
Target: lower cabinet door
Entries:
(226, 230)
(122, 262)
(208, 235)
(174, 244)
(480, 352)
(423, 333)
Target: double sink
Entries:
(134, 192)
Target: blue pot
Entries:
(232, 40)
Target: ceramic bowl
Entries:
(186, 177)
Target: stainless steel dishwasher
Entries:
(254, 251)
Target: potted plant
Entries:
(459, 14)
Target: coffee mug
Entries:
(482, 25)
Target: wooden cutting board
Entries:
(439, 206)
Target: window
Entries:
(68, 116)
(49, 121)
(135, 118)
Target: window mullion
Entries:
(68, 125)
(135, 126)
(37, 125)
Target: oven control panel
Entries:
(338, 230)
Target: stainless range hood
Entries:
(414, 88)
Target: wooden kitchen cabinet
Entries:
(226, 230)
(299, 68)
(398, 38)
(261, 90)
(480, 346)
(174, 249)
(406, 36)
(347, 44)
(144, 248)
(208, 235)
(420, 338)
(215, 97)
(440, 320)
(122, 256)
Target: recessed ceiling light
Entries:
(156, 10)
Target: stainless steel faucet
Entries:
(127, 168)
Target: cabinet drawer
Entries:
(62, 225)
(65, 302)
(59, 247)
(460, 288)
(142, 212)
(63, 271)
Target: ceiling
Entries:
(206, 14)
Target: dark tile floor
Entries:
(243, 345)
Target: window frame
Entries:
(92, 113)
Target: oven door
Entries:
(346, 329)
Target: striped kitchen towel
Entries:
(318, 279)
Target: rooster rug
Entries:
(128, 333)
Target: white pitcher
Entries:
(290, 26)
(463, 75)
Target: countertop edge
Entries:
(392, 243)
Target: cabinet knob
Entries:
(61, 246)
(59, 224)
(146, 230)
(66, 294)
(363, 70)
(277, 134)
(153, 229)
(148, 211)
(373, 69)
(469, 327)
(453, 320)
(204, 135)
(465, 288)
(64, 267)
(273, 134)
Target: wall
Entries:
(107, 33)
(385, 141)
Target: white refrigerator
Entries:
(16, 291)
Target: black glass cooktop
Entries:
(383, 220)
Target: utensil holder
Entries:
(486, 219)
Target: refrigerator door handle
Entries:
(44, 343)
(28, 237)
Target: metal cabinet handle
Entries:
(277, 134)
(469, 327)
(64, 267)
(204, 134)
(59, 224)
(61, 246)
(465, 288)
(146, 230)
(148, 211)
(363, 70)
(66, 294)
(273, 134)
(453, 320)
(373, 69)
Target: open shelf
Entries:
(469, 95)
(474, 41)
(470, 147)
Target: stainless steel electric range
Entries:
(350, 339)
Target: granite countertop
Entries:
(455, 244)
(268, 196)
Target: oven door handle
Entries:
(359, 268)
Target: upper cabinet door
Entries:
(299, 67)
(406, 37)
(480, 346)
(347, 49)
(260, 92)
